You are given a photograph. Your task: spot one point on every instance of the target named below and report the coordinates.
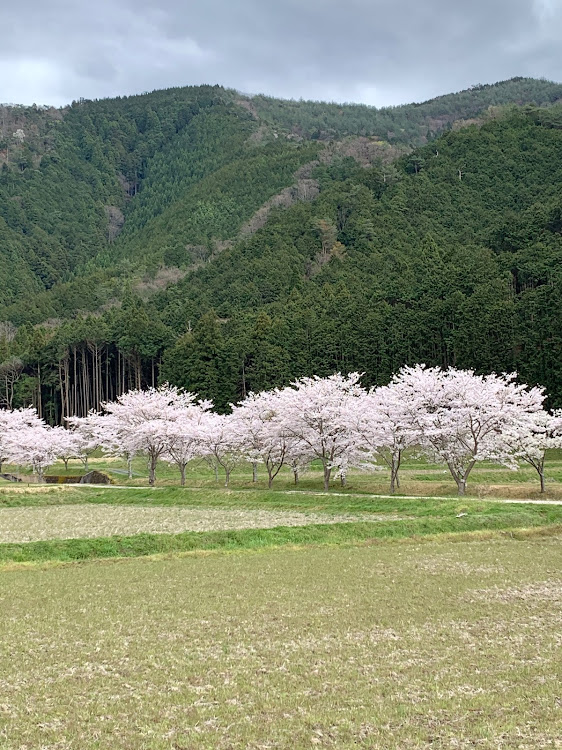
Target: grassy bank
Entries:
(325, 534)
(213, 497)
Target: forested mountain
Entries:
(230, 243)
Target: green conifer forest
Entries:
(228, 244)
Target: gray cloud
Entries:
(376, 51)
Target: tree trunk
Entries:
(394, 480)
(106, 394)
(216, 470)
(129, 468)
(269, 479)
(343, 480)
(461, 478)
(227, 477)
(152, 471)
(541, 475)
(395, 467)
(182, 472)
(74, 409)
(39, 399)
(254, 471)
(296, 474)
(61, 382)
(118, 365)
(327, 474)
(65, 464)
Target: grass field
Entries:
(203, 617)
(418, 477)
(435, 645)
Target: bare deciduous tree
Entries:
(10, 372)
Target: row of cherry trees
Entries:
(454, 417)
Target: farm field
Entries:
(410, 645)
(170, 618)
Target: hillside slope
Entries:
(448, 255)
(177, 170)
(457, 263)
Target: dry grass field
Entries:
(248, 618)
(27, 524)
(394, 645)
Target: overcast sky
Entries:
(374, 51)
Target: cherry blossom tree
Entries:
(265, 439)
(185, 435)
(11, 422)
(87, 434)
(105, 432)
(141, 421)
(533, 436)
(315, 414)
(462, 417)
(298, 463)
(33, 445)
(68, 445)
(220, 443)
(383, 419)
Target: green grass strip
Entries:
(277, 500)
(342, 533)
